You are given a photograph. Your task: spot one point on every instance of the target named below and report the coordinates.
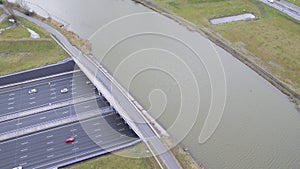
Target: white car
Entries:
(31, 91)
(19, 167)
(271, 1)
(64, 90)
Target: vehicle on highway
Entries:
(31, 91)
(19, 167)
(70, 139)
(271, 1)
(64, 90)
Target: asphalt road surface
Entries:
(47, 148)
(285, 7)
(16, 99)
(52, 115)
(147, 132)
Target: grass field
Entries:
(271, 40)
(119, 160)
(20, 52)
(296, 2)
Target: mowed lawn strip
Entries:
(20, 52)
(271, 40)
(125, 159)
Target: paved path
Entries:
(123, 104)
(234, 18)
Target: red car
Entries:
(69, 140)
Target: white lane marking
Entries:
(24, 143)
(74, 93)
(11, 94)
(11, 98)
(50, 156)
(19, 124)
(65, 112)
(32, 98)
(23, 157)
(51, 142)
(96, 124)
(52, 89)
(53, 97)
(121, 129)
(34, 134)
(52, 85)
(74, 130)
(49, 136)
(53, 93)
(74, 149)
(24, 150)
(43, 78)
(98, 136)
(10, 108)
(50, 149)
(43, 118)
(32, 102)
(87, 106)
(10, 103)
(23, 164)
(97, 130)
(99, 141)
(119, 123)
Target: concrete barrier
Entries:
(51, 124)
(45, 108)
(60, 67)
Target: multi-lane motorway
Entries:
(145, 129)
(17, 98)
(47, 148)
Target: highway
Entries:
(51, 115)
(47, 148)
(122, 103)
(15, 99)
(285, 7)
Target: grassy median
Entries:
(271, 40)
(20, 52)
(115, 160)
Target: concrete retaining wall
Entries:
(60, 67)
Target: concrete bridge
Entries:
(119, 98)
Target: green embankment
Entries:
(20, 52)
(120, 160)
(295, 2)
(271, 40)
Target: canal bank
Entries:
(243, 140)
(295, 97)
